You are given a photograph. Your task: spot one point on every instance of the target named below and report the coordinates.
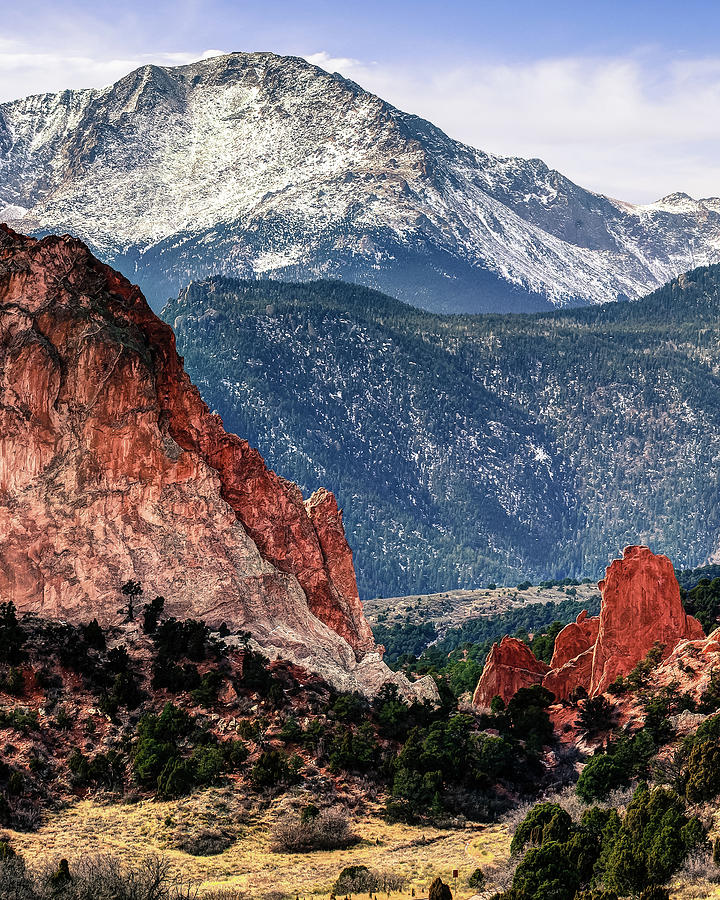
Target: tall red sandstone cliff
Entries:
(112, 467)
(640, 607)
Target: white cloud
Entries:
(333, 63)
(25, 71)
(635, 128)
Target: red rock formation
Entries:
(574, 639)
(571, 663)
(112, 467)
(322, 509)
(510, 665)
(641, 606)
(575, 673)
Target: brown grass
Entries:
(148, 827)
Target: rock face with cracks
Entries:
(641, 607)
(112, 467)
(510, 665)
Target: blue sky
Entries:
(622, 97)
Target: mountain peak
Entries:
(259, 164)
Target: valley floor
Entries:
(131, 831)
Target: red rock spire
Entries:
(640, 607)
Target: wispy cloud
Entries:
(636, 127)
(25, 70)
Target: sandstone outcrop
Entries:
(510, 665)
(640, 607)
(574, 639)
(112, 467)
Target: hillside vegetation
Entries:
(469, 449)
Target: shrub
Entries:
(131, 591)
(392, 713)
(272, 769)
(544, 822)
(329, 829)
(206, 693)
(350, 708)
(93, 635)
(23, 720)
(652, 843)
(359, 879)
(63, 720)
(546, 872)
(543, 643)
(606, 772)
(527, 711)
(710, 697)
(14, 682)
(618, 687)
(439, 890)
(655, 892)
(639, 675)
(596, 714)
(151, 614)
(100, 877)
(176, 778)
(125, 691)
(156, 753)
(12, 635)
(354, 750)
(169, 676)
(291, 732)
(703, 772)
(703, 602)
(476, 880)
(255, 676)
(177, 640)
(601, 775)
(203, 841)
(106, 769)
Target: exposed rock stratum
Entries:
(112, 467)
(641, 607)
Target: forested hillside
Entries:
(467, 449)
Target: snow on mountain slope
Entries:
(260, 165)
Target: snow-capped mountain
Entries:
(259, 165)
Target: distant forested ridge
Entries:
(468, 449)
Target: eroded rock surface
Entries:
(640, 608)
(112, 467)
(510, 665)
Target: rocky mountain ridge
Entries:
(113, 468)
(257, 165)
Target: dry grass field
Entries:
(250, 867)
(449, 609)
(131, 831)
